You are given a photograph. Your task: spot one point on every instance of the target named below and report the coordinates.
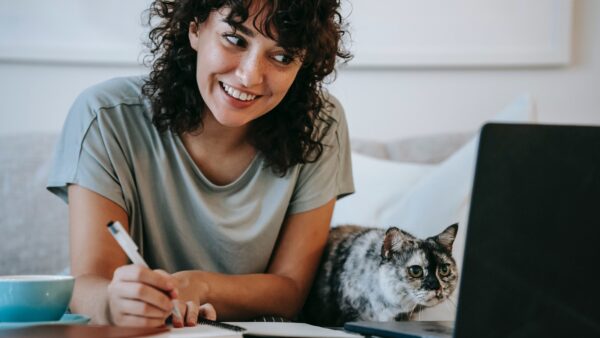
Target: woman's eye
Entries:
(283, 58)
(235, 40)
(415, 271)
(444, 270)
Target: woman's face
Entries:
(241, 74)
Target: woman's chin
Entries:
(234, 124)
(231, 121)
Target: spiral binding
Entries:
(204, 321)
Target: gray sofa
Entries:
(34, 223)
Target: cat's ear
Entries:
(447, 237)
(394, 240)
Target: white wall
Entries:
(380, 103)
(388, 103)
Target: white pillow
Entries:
(443, 197)
(421, 199)
(379, 185)
(382, 186)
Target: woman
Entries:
(224, 165)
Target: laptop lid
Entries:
(533, 241)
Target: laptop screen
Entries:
(533, 239)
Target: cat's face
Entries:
(422, 271)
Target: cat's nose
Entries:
(431, 284)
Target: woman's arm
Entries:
(283, 289)
(106, 289)
(109, 291)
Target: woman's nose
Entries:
(250, 71)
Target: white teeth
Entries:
(237, 94)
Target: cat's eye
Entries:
(415, 271)
(444, 270)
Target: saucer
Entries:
(67, 318)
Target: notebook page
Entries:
(199, 331)
(278, 329)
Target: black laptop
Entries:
(532, 252)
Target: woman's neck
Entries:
(217, 138)
(221, 153)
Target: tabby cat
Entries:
(378, 275)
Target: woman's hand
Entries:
(138, 296)
(191, 311)
(192, 303)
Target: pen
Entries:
(131, 250)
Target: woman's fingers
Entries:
(132, 307)
(191, 314)
(128, 312)
(173, 293)
(132, 320)
(207, 311)
(179, 321)
(134, 304)
(157, 278)
(144, 293)
(143, 297)
(139, 296)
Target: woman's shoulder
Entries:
(116, 103)
(121, 93)
(111, 93)
(333, 107)
(333, 112)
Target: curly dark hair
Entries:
(309, 29)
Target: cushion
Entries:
(379, 184)
(425, 149)
(34, 220)
(425, 203)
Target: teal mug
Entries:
(34, 298)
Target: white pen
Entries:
(131, 250)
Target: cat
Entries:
(376, 275)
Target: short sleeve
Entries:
(331, 175)
(82, 157)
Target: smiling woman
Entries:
(223, 164)
(241, 73)
(306, 35)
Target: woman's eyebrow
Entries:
(240, 27)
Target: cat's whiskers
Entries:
(411, 313)
(448, 306)
(452, 302)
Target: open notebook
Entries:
(259, 329)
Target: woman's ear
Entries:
(193, 35)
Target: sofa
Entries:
(420, 184)
(34, 223)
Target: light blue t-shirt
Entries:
(179, 219)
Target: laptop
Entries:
(532, 249)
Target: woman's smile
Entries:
(238, 94)
(241, 74)
(235, 98)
